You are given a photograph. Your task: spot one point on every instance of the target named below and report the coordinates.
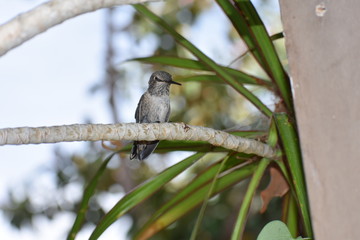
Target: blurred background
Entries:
(81, 72)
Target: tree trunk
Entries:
(323, 46)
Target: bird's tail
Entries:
(142, 149)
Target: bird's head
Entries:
(161, 77)
(160, 82)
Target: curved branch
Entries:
(133, 131)
(29, 24)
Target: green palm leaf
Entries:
(140, 193)
(224, 75)
(198, 65)
(193, 195)
(88, 193)
(248, 24)
(291, 145)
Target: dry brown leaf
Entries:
(277, 187)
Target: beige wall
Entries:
(323, 45)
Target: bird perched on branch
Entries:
(153, 107)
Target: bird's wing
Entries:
(167, 115)
(138, 110)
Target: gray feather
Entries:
(153, 107)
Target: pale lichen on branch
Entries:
(133, 131)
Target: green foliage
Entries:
(248, 24)
(276, 230)
(290, 142)
(206, 199)
(179, 208)
(214, 95)
(88, 193)
(224, 75)
(142, 192)
(245, 206)
(198, 65)
(253, 185)
(168, 146)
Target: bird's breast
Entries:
(157, 108)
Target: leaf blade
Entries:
(196, 183)
(198, 65)
(187, 204)
(224, 75)
(88, 193)
(206, 199)
(245, 206)
(266, 50)
(251, 29)
(198, 146)
(275, 230)
(141, 192)
(291, 145)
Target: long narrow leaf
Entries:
(216, 79)
(206, 60)
(189, 146)
(88, 193)
(291, 145)
(252, 30)
(142, 192)
(245, 206)
(205, 78)
(266, 49)
(206, 200)
(241, 26)
(290, 214)
(273, 38)
(198, 65)
(202, 178)
(195, 198)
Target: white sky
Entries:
(45, 82)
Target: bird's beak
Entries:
(173, 82)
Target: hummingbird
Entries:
(153, 107)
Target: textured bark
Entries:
(29, 24)
(133, 131)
